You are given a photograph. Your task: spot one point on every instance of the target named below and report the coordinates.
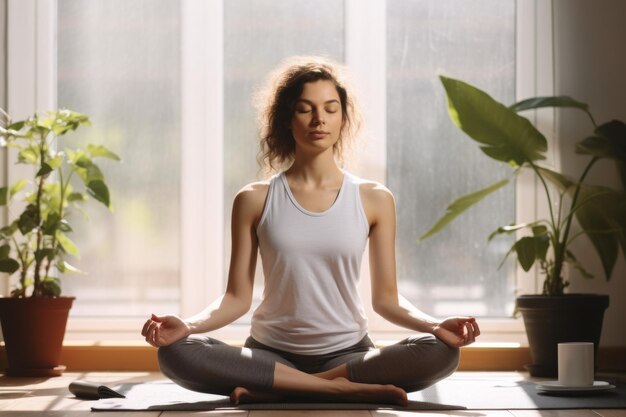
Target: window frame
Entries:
(31, 84)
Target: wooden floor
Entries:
(25, 397)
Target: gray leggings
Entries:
(207, 365)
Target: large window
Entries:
(119, 62)
(430, 163)
(169, 86)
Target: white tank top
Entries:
(311, 262)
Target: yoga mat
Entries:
(454, 393)
(167, 396)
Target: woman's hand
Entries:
(164, 330)
(457, 331)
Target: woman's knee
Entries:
(439, 361)
(180, 357)
(443, 359)
(169, 357)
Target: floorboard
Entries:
(26, 397)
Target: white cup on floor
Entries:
(575, 364)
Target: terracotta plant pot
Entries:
(550, 320)
(33, 330)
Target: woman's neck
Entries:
(318, 169)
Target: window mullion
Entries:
(365, 55)
(534, 77)
(202, 155)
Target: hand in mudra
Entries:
(457, 331)
(164, 330)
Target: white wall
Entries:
(590, 65)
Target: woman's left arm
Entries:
(380, 209)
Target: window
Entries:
(168, 85)
(430, 162)
(125, 75)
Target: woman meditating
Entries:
(311, 223)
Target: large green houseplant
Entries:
(600, 211)
(35, 243)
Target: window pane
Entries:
(430, 162)
(118, 62)
(252, 48)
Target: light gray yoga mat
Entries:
(167, 396)
(465, 392)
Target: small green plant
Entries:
(507, 137)
(36, 242)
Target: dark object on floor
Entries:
(92, 391)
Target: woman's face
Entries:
(317, 119)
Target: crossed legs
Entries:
(376, 375)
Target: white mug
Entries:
(575, 364)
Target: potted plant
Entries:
(600, 211)
(35, 242)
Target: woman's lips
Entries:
(318, 134)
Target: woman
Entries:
(311, 224)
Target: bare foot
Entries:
(241, 395)
(369, 393)
(342, 390)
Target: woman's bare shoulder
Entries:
(375, 192)
(378, 201)
(251, 198)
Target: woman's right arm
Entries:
(236, 301)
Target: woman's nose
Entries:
(318, 119)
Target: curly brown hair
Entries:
(277, 102)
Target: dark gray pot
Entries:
(550, 320)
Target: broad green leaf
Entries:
(17, 187)
(462, 204)
(51, 224)
(596, 146)
(542, 244)
(502, 133)
(98, 190)
(62, 129)
(44, 253)
(552, 101)
(29, 219)
(56, 161)
(101, 151)
(9, 265)
(601, 213)
(16, 126)
(615, 134)
(8, 231)
(561, 181)
(84, 161)
(44, 170)
(4, 251)
(609, 141)
(94, 173)
(51, 287)
(67, 245)
(66, 268)
(526, 253)
(3, 196)
(76, 196)
(87, 170)
(64, 226)
(28, 155)
(509, 229)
